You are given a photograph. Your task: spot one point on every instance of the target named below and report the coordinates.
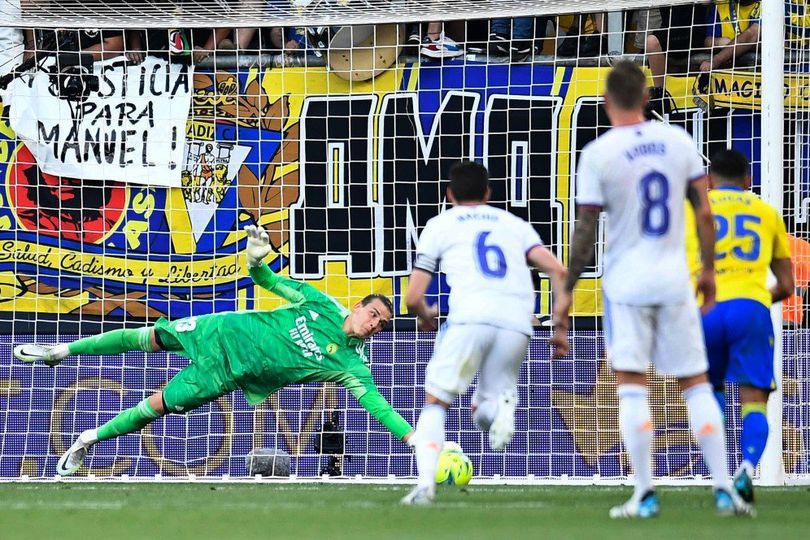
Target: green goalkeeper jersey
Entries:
(264, 351)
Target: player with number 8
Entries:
(639, 173)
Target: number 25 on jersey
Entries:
(742, 230)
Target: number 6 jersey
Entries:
(482, 251)
(639, 175)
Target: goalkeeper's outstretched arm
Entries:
(362, 386)
(258, 247)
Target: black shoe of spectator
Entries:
(414, 34)
(414, 38)
(568, 46)
(590, 46)
(521, 49)
(499, 44)
(660, 104)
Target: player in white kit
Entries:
(485, 252)
(638, 174)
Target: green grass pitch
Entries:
(331, 512)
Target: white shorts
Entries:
(669, 336)
(462, 349)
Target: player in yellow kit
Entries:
(751, 238)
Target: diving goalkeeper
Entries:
(313, 339)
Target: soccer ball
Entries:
(455, 468)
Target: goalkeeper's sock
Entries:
(636, 429)
(429, 442)
(754, 432)
(128, 421)
(115, 342)
(707, 426)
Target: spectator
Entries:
(583, 35)
(645, 21)
(263, 40)
(170, 44)
(513, 38)
(102, 44)
(437, 45)
(681, 34)
(734, 30)
(205, 41)
(175, 45)
(252, 39)
(414, 37)
(135, 49)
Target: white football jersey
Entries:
(482, 251)
(639, 175)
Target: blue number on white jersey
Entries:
(654, 189)
(491, 259)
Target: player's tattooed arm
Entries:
(697, 194)
(582, 244)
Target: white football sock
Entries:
(707, 427)
(636, 429)
(429, 441)
(485, 414)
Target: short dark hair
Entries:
(469, 181)
(626, 85)
(730, 165)
(382, 298)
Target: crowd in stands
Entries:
(680, 30)
(696, 37)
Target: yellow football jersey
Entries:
(731, 18)
(750, 234)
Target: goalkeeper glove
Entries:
(258, 245)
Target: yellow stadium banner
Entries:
(743, 90)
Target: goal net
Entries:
(135, 150)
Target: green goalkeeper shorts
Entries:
(205, 379)
(193, 387)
